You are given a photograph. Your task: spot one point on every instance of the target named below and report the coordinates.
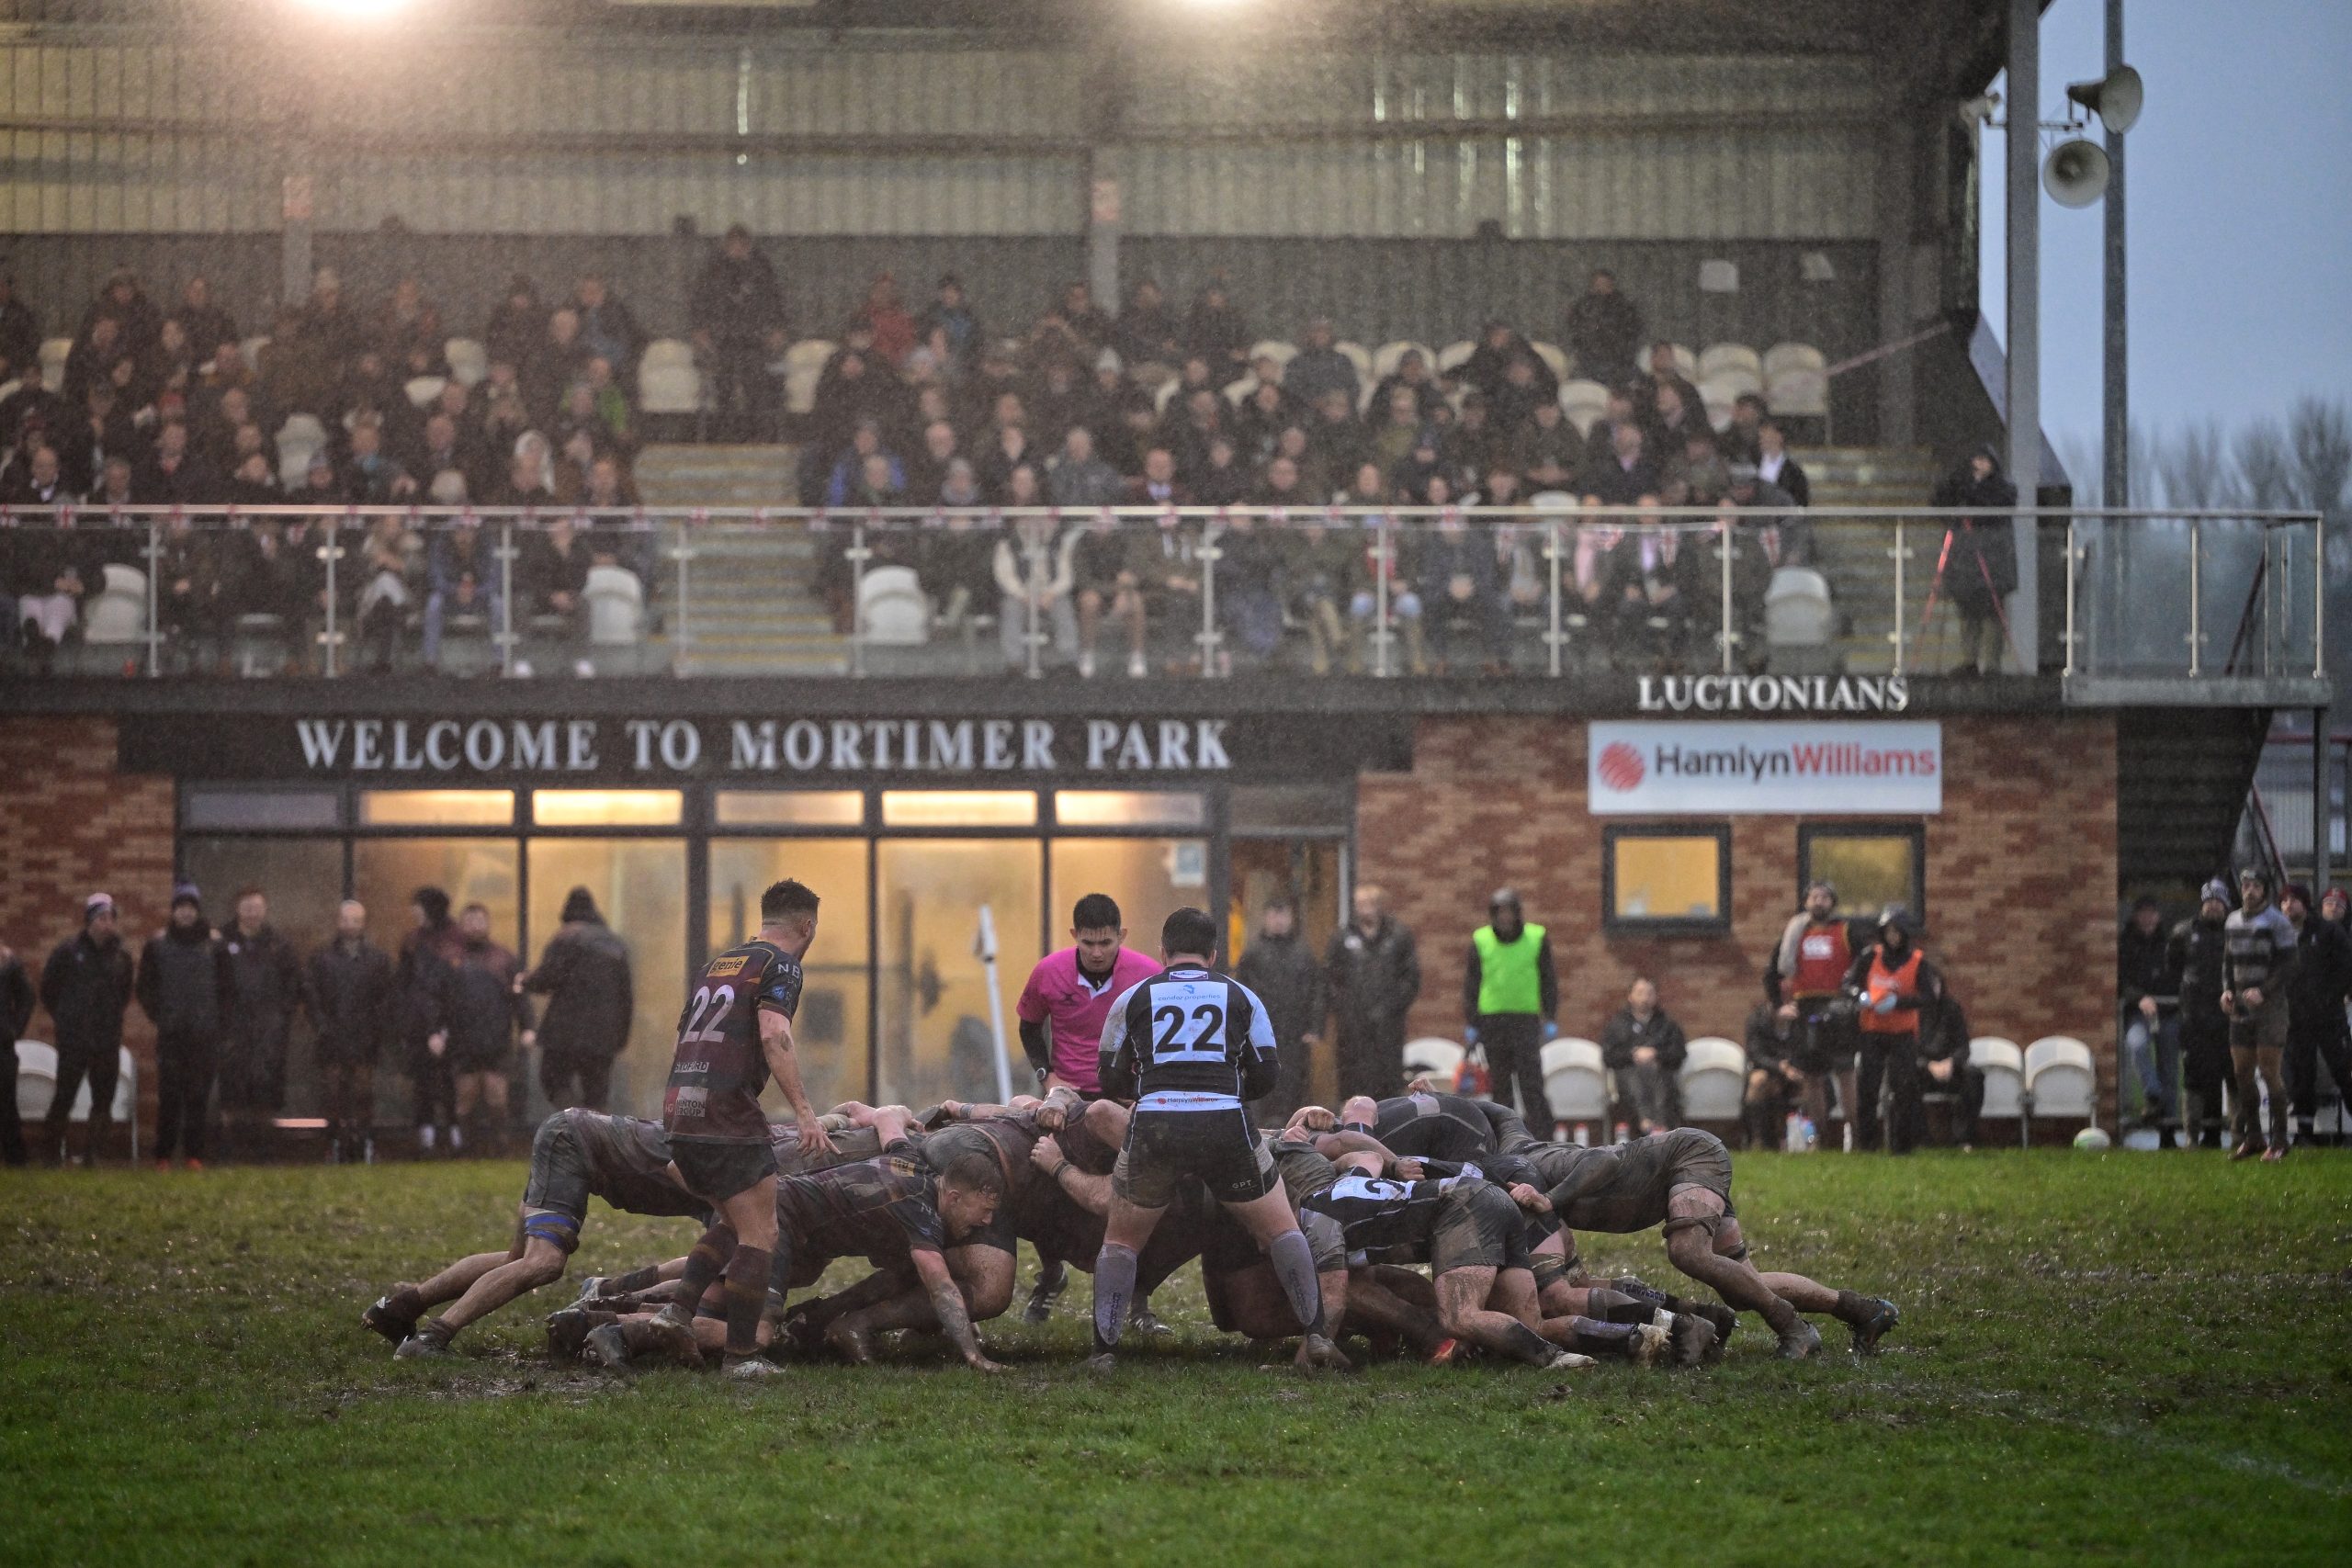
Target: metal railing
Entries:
(1552, 591)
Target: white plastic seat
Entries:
(1798, 393)
(1686, 364)
(54, 352)
(1713, 1079)
(1272, 348)
(615, 606)
(1784, 356)
(469, 360)
(8, 390)
(1439, 1060)
(298, 439)
(1359, 356)
(251, 349)
(1160, 399)
(1575, 1081)
(1797, 609)
(669, 388)
(2003, 1066)
(118, 615)
(2060, 1080)
(423, 389)
(1238, 393)
(1554, 356)
(1584, 402)
(1718, 397)
(37, 1087)
(891, 610)
(1385, 358)
(804, 367)
(1718, 358)
(669, 350)
(1454, 355)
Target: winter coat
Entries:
(1983, 565)
(266, 988)
(2317, 985)
(1624, 1034)
(352, 996)
(184, 982)
(1375, 980)
(584, 975)
(483, 1009)
(86, 988)
(2146, 966)
(428, 958)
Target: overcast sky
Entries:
(2240, 208)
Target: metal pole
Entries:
(1900, 555)
(1210, 555)
(331, 554)
(2323, 810)
(2319, 595)
(1552, 550)
(857, 554)
(681, 638)
(2070, 596)
(155, 598)
(2195, 598)
(1724, 554)
(507, 597)
(2024, 195)
(2115, 487)
(1382, 634)
(1032, 556)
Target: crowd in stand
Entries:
(915, 408)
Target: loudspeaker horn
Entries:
(2075, 173)
(2115, 97)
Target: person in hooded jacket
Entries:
(2197, 947)
(1375, 974)
(484, 1009)
(87, 987)
(1980, 559)
(185, 988)
(351, 993)
(1283, 971)
(2149, 987)
(2316, 1023)
(422, 978)
(584, 975)
(1895, 985)
(266, 991)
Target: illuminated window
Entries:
(1871, 864)
(1129, 808)
(1666, 879)
(791, 808)
(608, 807)
(959, 808)
(437, 808)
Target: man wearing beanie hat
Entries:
(185, 988)
(584, 975)
(2196, 946)
(86, 988)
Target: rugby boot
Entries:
(382, 1317)
(751, 1368)
(1569, 1361)
(1873, 1324)
(1801, 1341)
(606, 1348)
(568, 1330)
(1648, 1343)
(588, 1288)
(1317, 1353)
(1103, 1361)
(1144, 1321)
(850, 1341)
(427, 1344)
(672, 1338)
(1052, 1280)
(1696, 1342)
(1719, 1317)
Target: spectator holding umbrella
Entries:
(2148, 979)
(1375, 977)
(87, 987)
(584, 973)
(186, 988)
(1283, 971)
(1645, 1049)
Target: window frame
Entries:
(1613, 924)
(1869, 827)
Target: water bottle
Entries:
(1624, 1132)
(1811, 1134)
(1584, 1134)
(1792, 1138)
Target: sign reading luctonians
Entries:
(1822, 767)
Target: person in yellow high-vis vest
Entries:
(1510, 994)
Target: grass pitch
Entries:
(2127, 1357)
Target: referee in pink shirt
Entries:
(1062, 1010)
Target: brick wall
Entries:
(2020, 876)
(71, 826)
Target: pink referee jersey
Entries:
(1063, 995)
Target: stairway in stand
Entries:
(1857, 557)
(750, 606)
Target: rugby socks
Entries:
(1853, 1308)
(633, 1282)
(703, 1265)
(1293, 1262)
(747, 1293)
(1613, 1338)
(1523, 1343)
(1615, 1306)
(435, 1330)
(1114, 1283)
(405, 1302)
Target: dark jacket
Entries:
(267, 989)
(1984, 561)
(1930, 983)
(2147, 966)
(1374, 981)
(17, 1000)
(86, 989)
(1547, 981)
(1624, 1034)
(737, 301)
(1943, 1033)
(1770, 1041)
(352, 996)
(2197, 947)
(1297, 994)
(1604, 332)
(482, 1007)
(2317, 985)
(422, 978)
(184, 982)
(584, 975)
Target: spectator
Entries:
(2149, 987)
(1627, 474)
(1318, 367)
(19, 339)
(1980, 560)
(1375, 566)
(1322, 556)
(1104, 568)
(608, 330)
(115, 489)
(403, 322)
(1460, 585)
(1642, 583)
(518, 325)
(1603, 329)
(423, 978)
(186, 988)
(16, 1004)
(203, 323)
(1248, 572)
(462, 578)
(583, 972)
(1740, 441)
(848, 480)
(1775, 467)
(1784, 537)
(739, 327)
(1085, 321)
(551, 576)
(952, 314)
(123, 302)
(1499, 344)
(1672, 426)
(1215, 332)
(887, 318)
(1776, 1074)
(1894, 984)
(1222, 479)
(2315, 993)
(1944, 1053)
(546, 372)
(1709, 559)
(1646, 1048)
(485, 1006)
(1546, 451)
(1510, 995)
(370, 475)
(2198, 947)
(310, 354)
(1473, 443)
(190, 603)
(1376, 976)
(1664, 373)
(173, 474)
(265, 990)
(956, 562)
(94, 357)
(32, 405)
(1034, 572)
(1806, 982)
(350, 992)
(1281, 970)
(1412, 374)
(1146, 332)
(87, 987)
(1080, 479)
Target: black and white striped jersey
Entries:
(1380, 1217)
(1188, 1039)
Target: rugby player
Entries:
(736, 1030)
(1191, 1047)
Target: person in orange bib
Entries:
(1892, 983)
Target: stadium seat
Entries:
(469, 360)
(678, 351)
(1359, 356)
(803, 367)
(1385, 358)
(1798, 394)
(1800, 622)
(8, 390)
(1686, 364)
(1454, 355)
(1784, 356)
(1439, 1060)
(251, 349)
(423, 389)
(1168, 390)
(615, 606)
(1718, 395)
(54, 354)
(1585, 404)
(1713, 1079)
(37, 1087)
(2060, 1081)
(1554, 356)
(1238, 393)
(298, 439)
(1575, 1081)
(118, 615)
(1281, 353)
(1717, 358)
(891, 610)
(669, 388)
(2004, 1067)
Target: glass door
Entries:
(832, 1036)
(937, 1039)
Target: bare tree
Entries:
(2320, 435)
(2264, 466)
(2194, 465)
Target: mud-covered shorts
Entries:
(1218, 1148)
(1629, 1189)
(717, 1169)
(1477, 1226)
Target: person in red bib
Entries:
(1806, 982)
(1893, 984)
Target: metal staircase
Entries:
(749, 606)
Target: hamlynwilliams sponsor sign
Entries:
(1822, 767)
